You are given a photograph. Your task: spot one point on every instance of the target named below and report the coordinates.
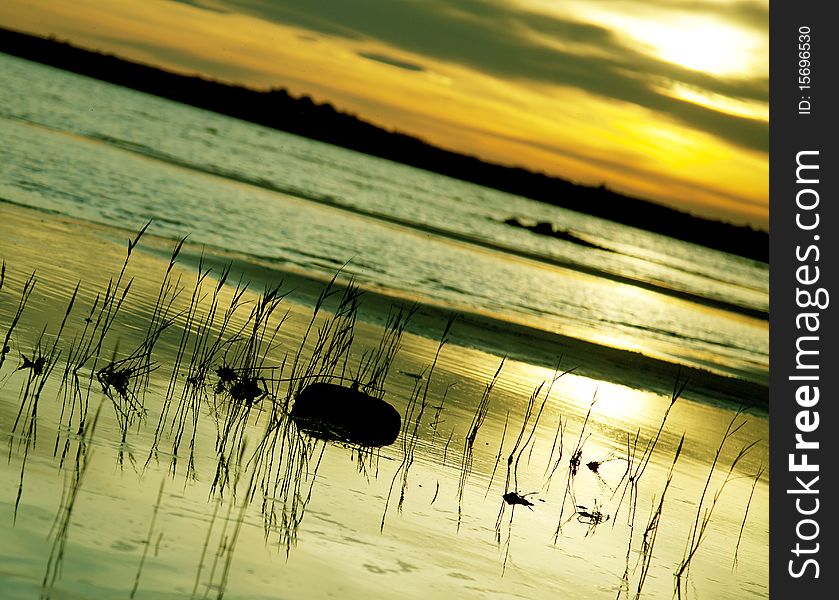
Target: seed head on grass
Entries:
(248, 390)
(592, 517)
(35, 364)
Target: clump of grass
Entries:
(248, 387)
(511, 483)
(528, 412)
(469, 443)
(191, 325)
(125, 380)
(414, 411)
(86, 350)
(629, 483)
(161, 317)
(573, 466)
(704, 511)
(635, 470)
(28, 286)
(284, 462)
(285, 458)
(651, 530)
(330, 356)
(204, 339)
(511, 494)
(38, 369)
(374, 365)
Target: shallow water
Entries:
(112, 156)
(344, 532)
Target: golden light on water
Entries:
(614, 403)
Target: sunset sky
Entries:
(663, 99)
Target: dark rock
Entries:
(542, 228)
(336, 413)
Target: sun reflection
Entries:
(616, 404)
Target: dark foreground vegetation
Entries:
(276, 108)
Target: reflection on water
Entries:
(160, 402)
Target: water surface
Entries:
(195, 496)
(109, 155)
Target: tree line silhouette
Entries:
(278, 109)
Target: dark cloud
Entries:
(744, 12)
(503, 40)
(393, 62)
(202, 6)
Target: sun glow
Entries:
(731, 106)
(698, 44)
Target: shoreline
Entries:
(471, 330)
(324, 123)
(516, 341)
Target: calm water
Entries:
(329, 520)
(132, 507)
(112, 156)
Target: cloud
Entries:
(508, 42)
(191, 63)
(741, 204)
(393, 62)
(743, 12)
(202, 6)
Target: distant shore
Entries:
(277, 109)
